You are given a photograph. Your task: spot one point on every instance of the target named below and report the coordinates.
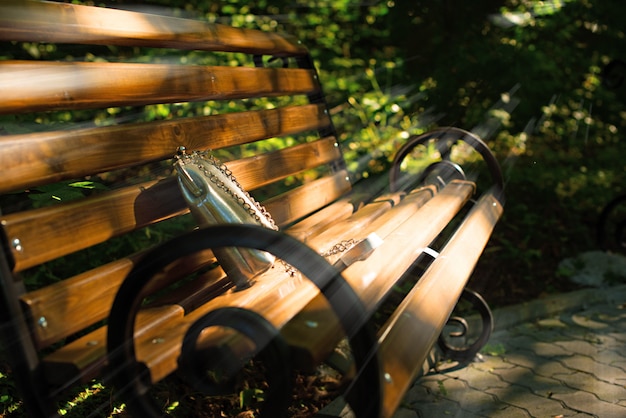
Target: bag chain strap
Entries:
(338, 248)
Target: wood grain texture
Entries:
(34, 159)
(29, 86)
(273, 286)
(75, 303)
(85, 357)
(317, 221)
(373, 278)
(351, 228)
(263, 169)
(55, 231)
(333, 213)
(34, 21)
(300, 202)
(296, 293)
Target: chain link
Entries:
(338, 248)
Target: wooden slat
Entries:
(425, 310)
(54, 231)
(351, 228)
(74, 304)
(38, 158)
(78, 302)
(308, 198)
(86, 356)
(29, 86)
(373, 278)
(404, 240)
(197, 292)
(33, 21)
(337, 211)
(263, 169)
(63, 300)
(270, 287)
(87, 359)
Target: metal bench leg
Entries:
(467, 353)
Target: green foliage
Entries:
(375, 124)
(250, 395)
(9, 399)
(62, 192)
(443, 391)
(495, 350)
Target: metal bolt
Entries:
(158, 340)
(92, 343)
(43, 322)
(388, 378)
(311, 324)
(17, 244)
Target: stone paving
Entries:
(572, 364)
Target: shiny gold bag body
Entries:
(215, 197)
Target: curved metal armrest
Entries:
(445, 138)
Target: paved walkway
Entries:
(563, 356)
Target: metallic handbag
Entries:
(215, 197)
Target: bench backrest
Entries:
(264, 117)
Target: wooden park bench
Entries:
(80, 191)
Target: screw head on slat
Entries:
(17, 244)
